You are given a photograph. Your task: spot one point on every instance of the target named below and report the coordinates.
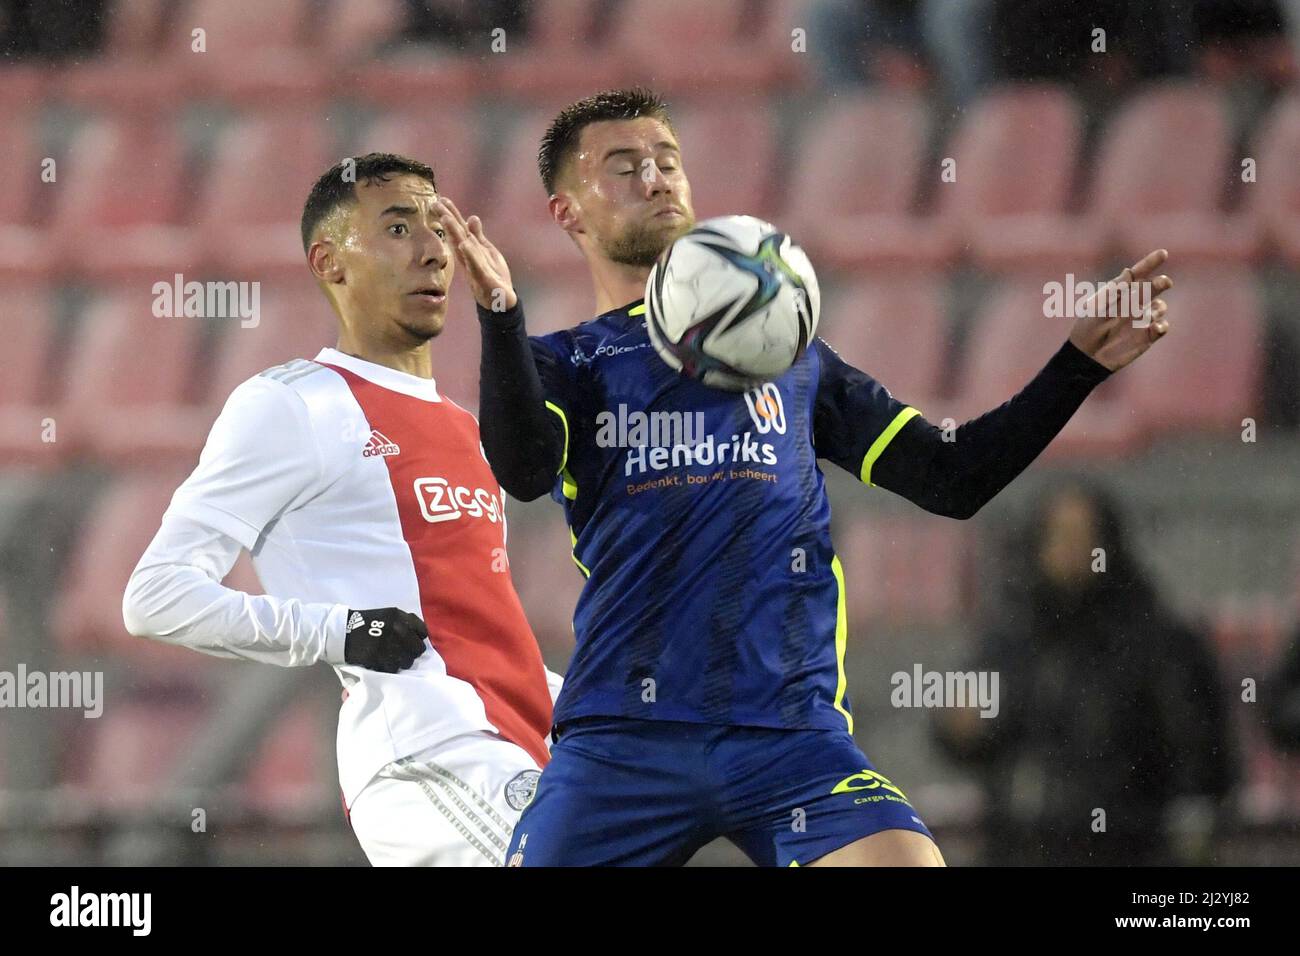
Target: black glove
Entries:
(384, 639)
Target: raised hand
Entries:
(1114, 339)
(483, 264)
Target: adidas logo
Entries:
(379, 444)
(356, 621)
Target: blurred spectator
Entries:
(901, 42)
(48, 29)
(1144, 39)
(457, 24)
(854, 41)
(958, 38)
(1107, 701)
(968, 43)
(1282, 699)
(1291, 13)
(1246, 38)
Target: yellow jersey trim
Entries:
(841, 641)
(564, 458)
(573, 537)
(882, 442)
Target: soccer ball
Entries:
(732, 303)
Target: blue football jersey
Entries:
(700, 520)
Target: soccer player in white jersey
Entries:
(378, 533)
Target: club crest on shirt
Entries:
(521, 788)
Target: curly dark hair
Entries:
(333, 189)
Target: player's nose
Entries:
(654, 181)
(434, 249)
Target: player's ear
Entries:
(564, 210)
(322, 258)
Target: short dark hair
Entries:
(561, 139)
(333, 189)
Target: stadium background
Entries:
(169, 160)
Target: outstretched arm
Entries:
(906, 454)
(956, 476)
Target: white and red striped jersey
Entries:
(354, 485)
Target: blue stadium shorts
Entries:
(628, 792)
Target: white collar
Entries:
(382, 375)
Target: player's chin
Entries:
(425, 321)
(660, 233)
(671, 227)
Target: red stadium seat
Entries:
(87, 617)
(355, 29)
(1274, 199)
(251, 53)
(397, 81)
(1016, 156)
(683, 47)
(902, 569)
(131, 70)
(895, 330)
(20, 150)
(292, 764)
(408, 76)
(852, 184)
(1205, 373)
(29, 341)
(240, 29)
(25, 251)
(137, 747)
(1164, 165)
(129, 378)
(517, 218)
(252, 205)
(118, 211)
(1248, 631)
(1010, 342)
(296, 322)
(544, 575)
(446, 139)
(26, 386)
(255, 53)
(455, 352)
(791, 69)
(557, 307)
(22, 86)
(563, 58)
(729, 157)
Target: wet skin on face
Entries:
(395, 259)
(628, 190)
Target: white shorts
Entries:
(454, 804)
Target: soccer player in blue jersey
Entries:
(706, 695)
